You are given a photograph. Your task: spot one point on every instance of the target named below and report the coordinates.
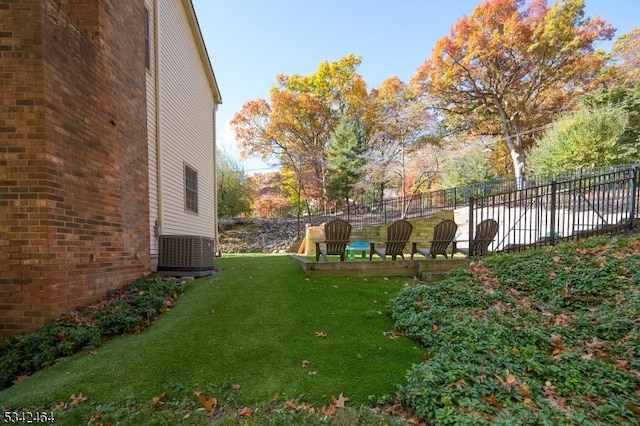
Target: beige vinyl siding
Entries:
(186, 104)
(151, 134)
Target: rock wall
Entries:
(260, 235)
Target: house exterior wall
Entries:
(152, 123)
(186, 108)
(74, 210)
(85, 130)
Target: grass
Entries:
(249, 335)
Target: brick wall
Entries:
(73, 155)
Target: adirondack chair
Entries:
(336, 238)
(398, 234)
(443, 235)
(484, 234)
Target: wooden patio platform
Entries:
(426, 269)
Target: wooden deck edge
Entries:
(390, 268)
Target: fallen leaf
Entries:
(291, 404)
(393, 334)
(313, 373)
(245, 412)
(321, 334)
(596, 343)
(492, 401)
(60, 406)
(329, 411)
(92, 353)
(21, 378)
(94, 419)
(621, 364)
(158, 400)
(508, 382)
(75, 400)
(236, 386)
(305, 363)
(523, 390)
(633, 407)
(458, 384)
(209, 404)
(340, 401)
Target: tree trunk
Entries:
(510, 129)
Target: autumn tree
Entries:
(293, 129)
(269, 198)
(400, 125)
(510, 67)
(626, 57)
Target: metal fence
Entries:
(535, 192)
(563, 209)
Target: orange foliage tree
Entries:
(269, 198)
(510, 67)
(400, 124)
(294, 128)
(626, 57)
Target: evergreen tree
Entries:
(344, 161)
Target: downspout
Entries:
(218, 251)
(156, 83)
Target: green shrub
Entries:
(131, 309)
(548, 336)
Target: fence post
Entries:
(471, 226)
(552, 230)
(633, 188)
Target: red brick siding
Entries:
(73, 155)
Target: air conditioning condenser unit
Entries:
(185, 255)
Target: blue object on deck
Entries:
(361, 246)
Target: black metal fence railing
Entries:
(492, 193)
(560, 210)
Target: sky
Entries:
(249, 42)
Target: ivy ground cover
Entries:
(549, 336)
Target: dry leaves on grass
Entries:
(327, 410)
(209, 404)
(394, 334)
(340, 402)
(21, 379)
(74, 401)
(158, 400)
(245, 412)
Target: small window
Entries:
(147, 38)
(190, 189)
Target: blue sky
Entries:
(251, 41)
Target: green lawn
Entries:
(250, 328)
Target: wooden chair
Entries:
(398, 234)
(444, 233)
(485, 232)
(336, 238)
